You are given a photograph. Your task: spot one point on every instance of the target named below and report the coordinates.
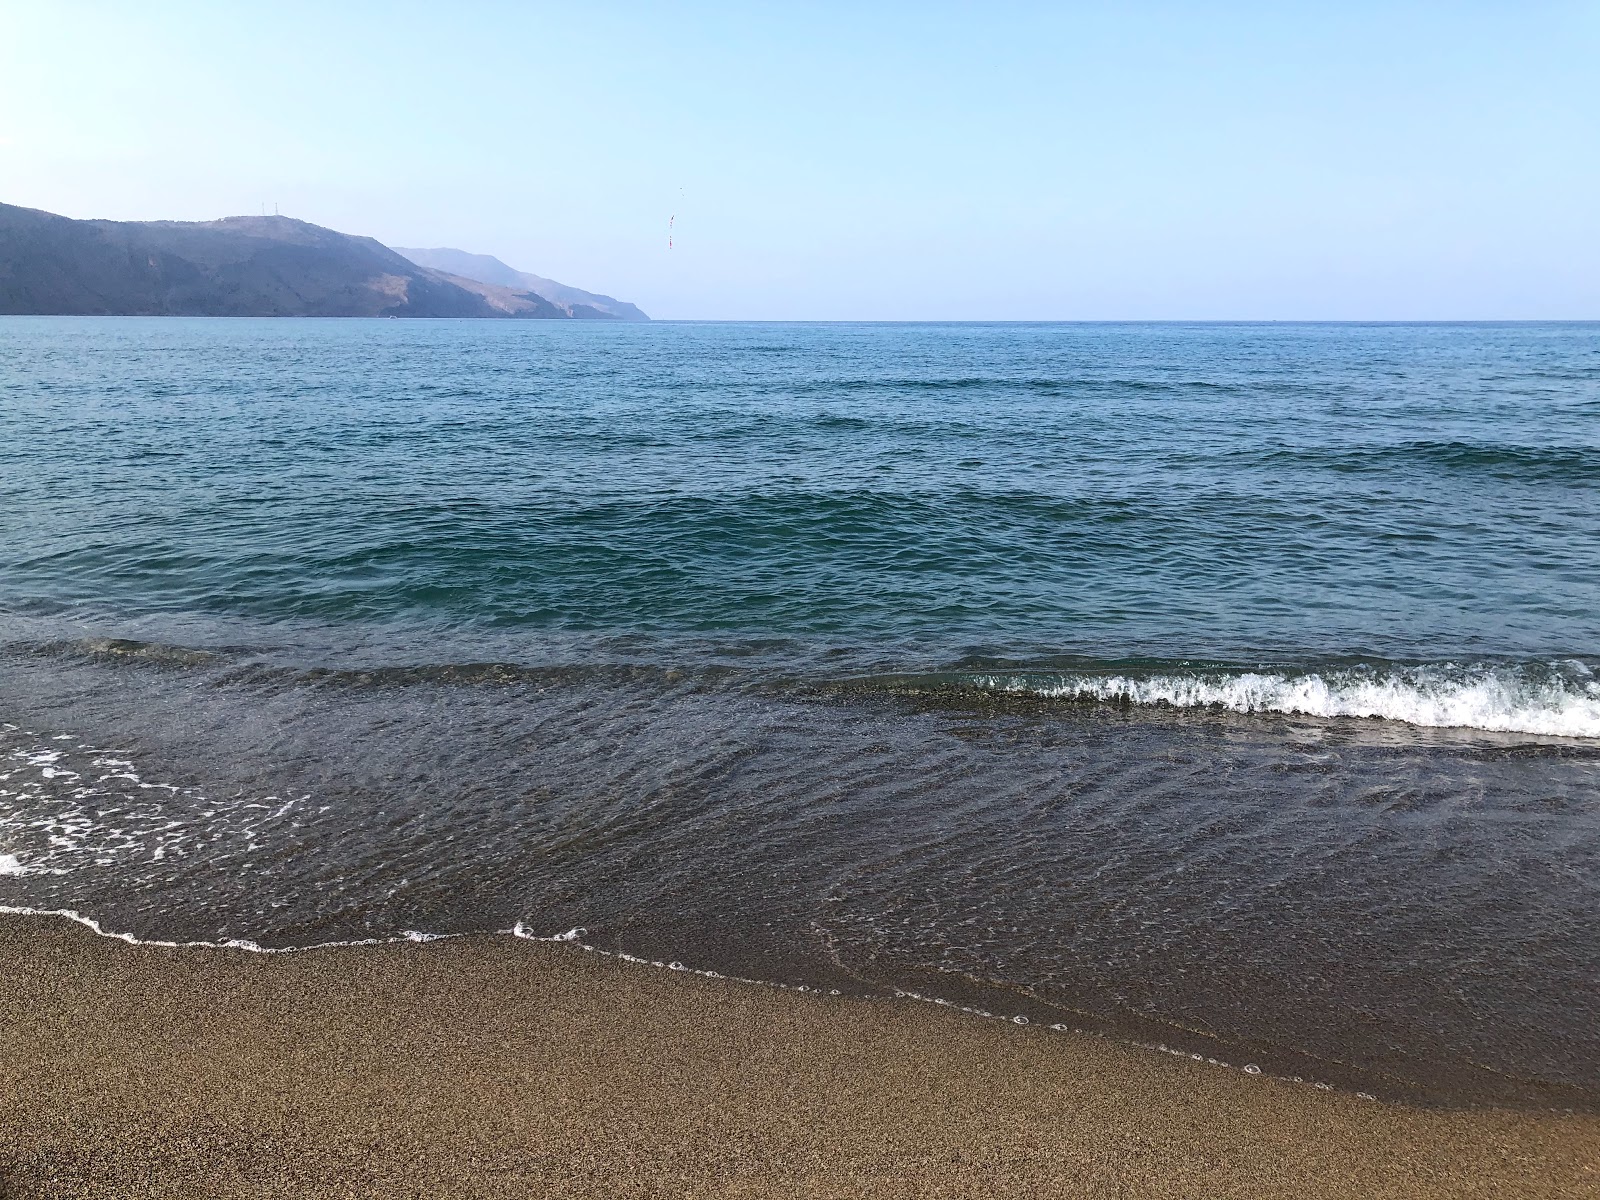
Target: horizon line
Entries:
(518, 321)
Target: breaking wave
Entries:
(1553, 699)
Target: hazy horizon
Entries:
(1019, 162)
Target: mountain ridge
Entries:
(235, 266)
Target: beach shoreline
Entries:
(494, 1066)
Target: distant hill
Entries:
(575, 302)
(235, 267)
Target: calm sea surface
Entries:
(1234, 688)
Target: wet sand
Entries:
(495, 1067)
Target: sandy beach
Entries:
(497, 1067)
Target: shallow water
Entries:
(1231, 687)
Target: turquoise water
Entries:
(1232, 687)
(1410, 492)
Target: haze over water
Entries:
(1225, 686)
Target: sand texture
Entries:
(493, 1067)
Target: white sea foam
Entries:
(92, 924)
(1558, 700)
(65, 806)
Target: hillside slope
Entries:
(235, 267)
(575, 302)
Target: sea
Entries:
(1230, 689)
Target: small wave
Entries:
(127, 649)
(1555, 700)
(1575, 465)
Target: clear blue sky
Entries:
(896, 161)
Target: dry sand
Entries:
(493, 1067)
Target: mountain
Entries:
(235, 267)
(575, 302)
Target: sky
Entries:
(861, 161)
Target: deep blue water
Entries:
(1227, 686)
